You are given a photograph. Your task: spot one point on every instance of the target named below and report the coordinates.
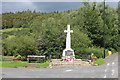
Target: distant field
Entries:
(12, 29)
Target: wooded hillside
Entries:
(30, 32)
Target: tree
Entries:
(87, 23)
(23, 45)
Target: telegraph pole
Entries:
(104, 33)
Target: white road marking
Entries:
(113, 70)
(68, 70)
(112, 74)
(105, 70)
(113, 63)
(105, 76)
(108, 64)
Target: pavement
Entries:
(108, 70)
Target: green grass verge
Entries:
(13, 64)
(45, 64)
(99, 61)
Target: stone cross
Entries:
(68, 52)
(68, 39)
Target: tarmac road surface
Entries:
(109, 70)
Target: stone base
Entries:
(65, 57)
(58, 63)
(68, 52)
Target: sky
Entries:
(59, 0)
(43, 6)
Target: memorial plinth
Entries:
(57, 63)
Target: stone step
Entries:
(60, 60)
(55, 64)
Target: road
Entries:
(109, 70)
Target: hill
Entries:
(29, 32)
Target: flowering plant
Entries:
(69, 59)
(93, 56)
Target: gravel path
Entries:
(109, 70)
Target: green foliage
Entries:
(13, 64)
(99, 61)
(0, 57)
(17, 56)
(23, 45)
(85, 52)
(43, 33)
(3, 58)
(79, 39)
(45, 64)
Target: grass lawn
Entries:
(45, 64)
(13, 64)
(99, 61)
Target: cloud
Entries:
(56, 6)
(44, 6)
(59, 0)
(39, 6)
(17, 6)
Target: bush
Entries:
(84, 52)
(0, 57)
(23, 45)
(6, 58)
(99, 61)
(17, 56)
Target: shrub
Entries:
(6, 58)
(0, 57)
(23, 45)
(17, 56)
(84, 52)
(99, 61)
